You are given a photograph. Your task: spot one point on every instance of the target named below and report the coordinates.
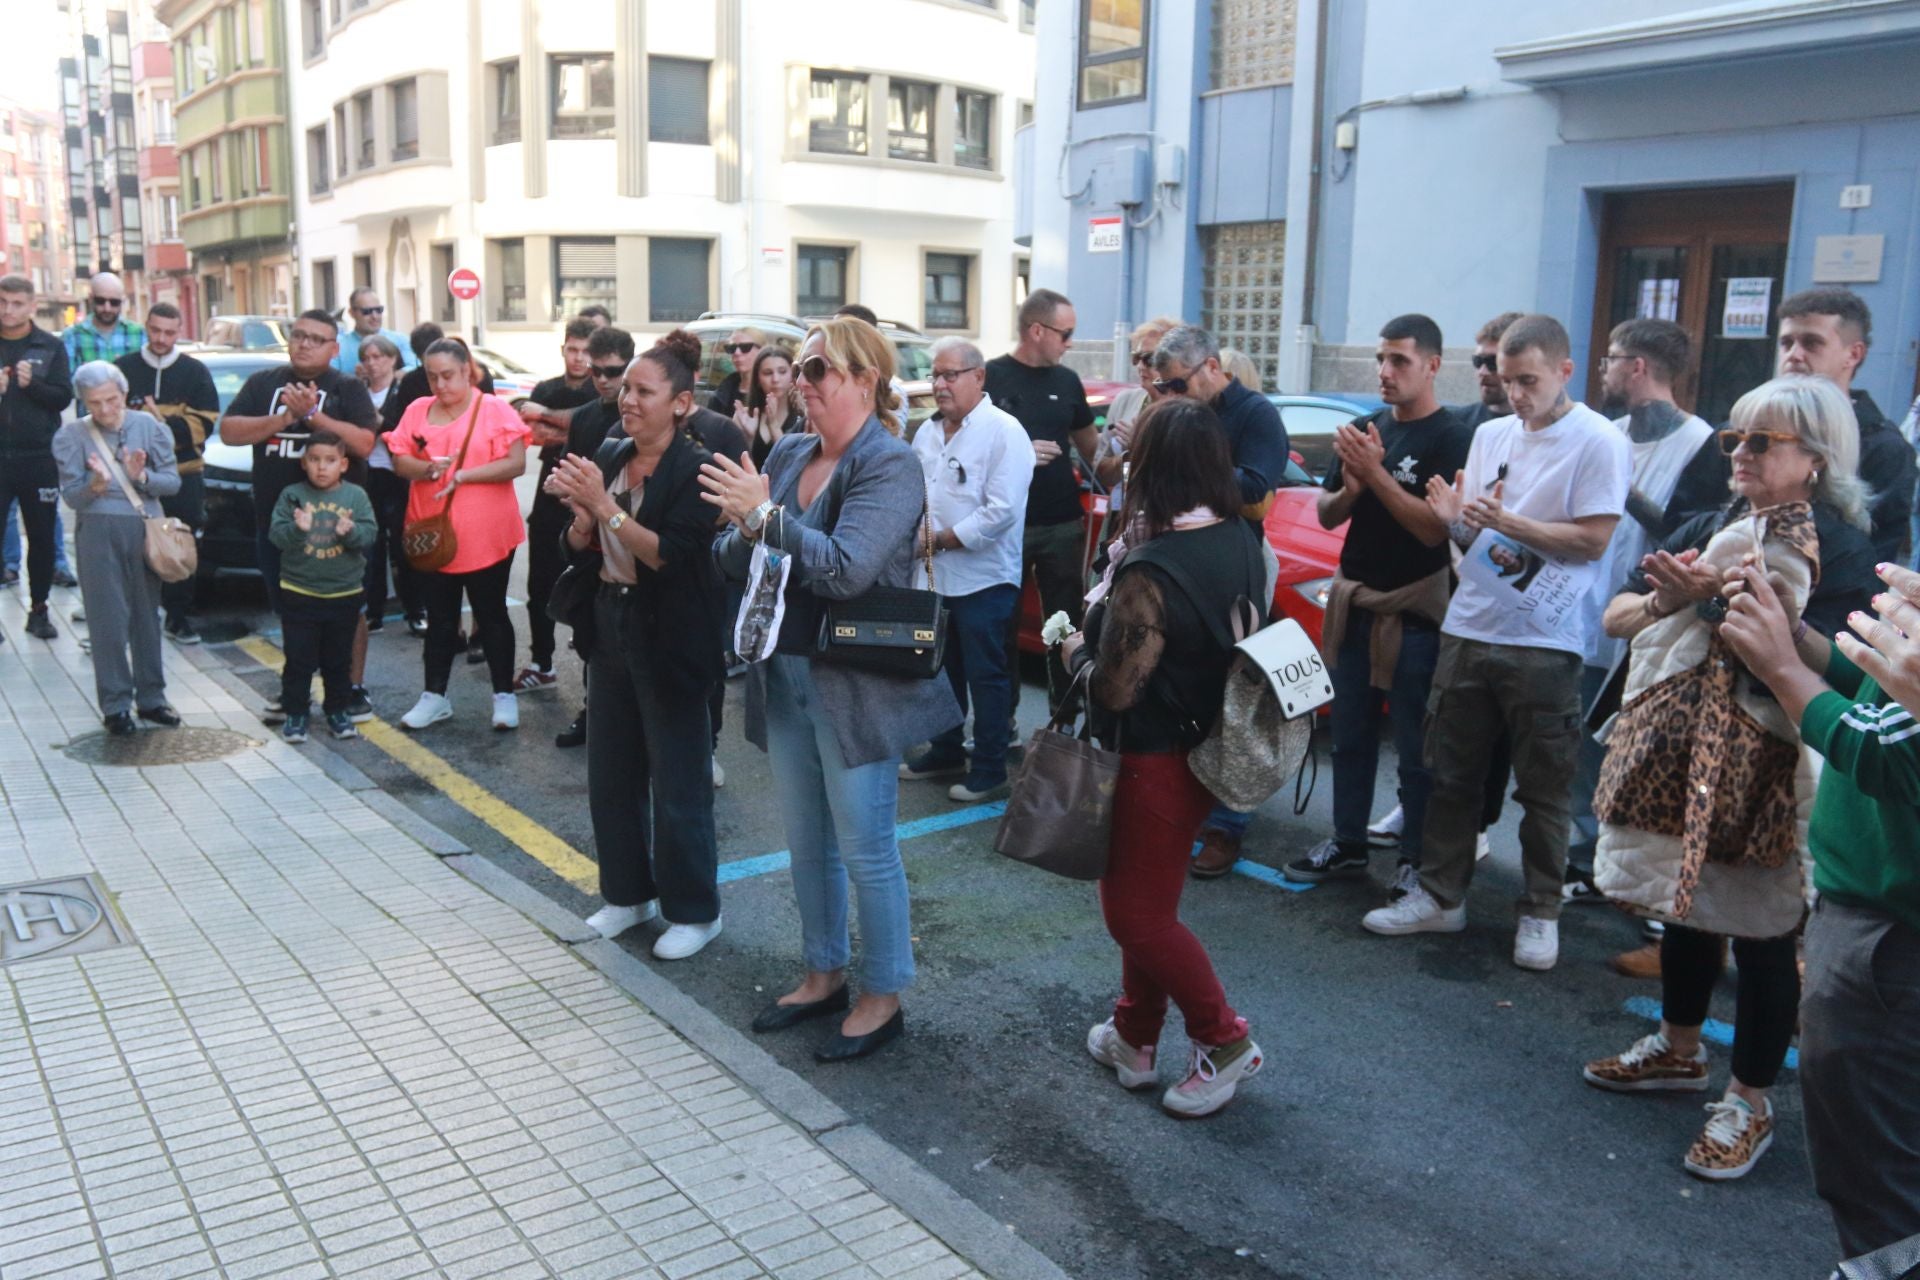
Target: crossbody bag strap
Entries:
(473, 420)
(113, 465)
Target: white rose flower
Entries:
(1056, 628)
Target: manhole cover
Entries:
(186, 745)
(58, 917)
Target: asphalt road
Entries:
(1420, 1114)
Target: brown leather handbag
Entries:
(431, 544)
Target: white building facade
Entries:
(664, 158)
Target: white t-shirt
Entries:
(1580, 466)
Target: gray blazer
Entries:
(860, 531)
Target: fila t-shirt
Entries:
(276, 460)
(1580, 466)
(1379, 551)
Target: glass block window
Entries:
(1240, 289)
(1252, 43)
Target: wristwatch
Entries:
(615, 520)
(757, 518)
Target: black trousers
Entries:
(546, 523)
(1768, 1007)
(317, 635)
(388, 493)
(486, 591)
(34, 483)
(189, 506)
(649, 780)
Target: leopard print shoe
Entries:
(1649, 1066)
(1735, 1138)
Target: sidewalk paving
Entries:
(328, 1053)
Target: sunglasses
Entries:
(1066, 335)
(1757, 442)
(108, 302)
(1143, 357)
(1170, 386)
(740, 348)
(609, 370)
(369, 311)
(1485, 361)
(815, 369)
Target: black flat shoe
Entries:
(120, 724)
(846, 1048)
(163, 715)
(778, 1017)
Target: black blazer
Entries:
(673, 617)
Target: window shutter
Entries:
(677, 101)
(594, 258)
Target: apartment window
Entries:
(405, 96)
(190, 177)
(1240, 277)
(340, 140)
(319, 161)
(363, 271)
(1113, 51)
(948, 305)
(263, 160)
(169, 217)
(363, 156)
(1026, 14)
(837, 114)
(313, 24)
(583, 275)
(1022, 280)
(677, 274)
(244, 173)
(252, 33)
(910, 120)
(325, 291)
(442, 259)
(216, 165)
(583, 95)
(513, 280)
(160, 113)
(821, 286)
(503, 122)
(973, 129)
(677, 101)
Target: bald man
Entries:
(105, 334)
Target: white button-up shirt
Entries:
(977, 486)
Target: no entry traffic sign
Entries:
(464, 284)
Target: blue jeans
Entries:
(10, 550)
(1356, 731)
(840, 827)
(976, 663)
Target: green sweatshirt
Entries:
(319, 562)
(1865, 831)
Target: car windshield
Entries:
(915, 360)
(229, 378)
(261, 334)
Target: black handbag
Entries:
(889, 631)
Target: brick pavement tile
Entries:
(907, 1235)
(147, 1255)
(372, 1255)
(272, 1262)
(929, 1256)
(403, 1267)
(849, 1230)
(179, 1267)
(758, 1237)
(493, 1262)
(444, 1202)
(46, 1262)
(820, 1265)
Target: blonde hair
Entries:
(756, 336)
(1155, 328)
(1816, 411)
(854, 347)
(1241, 365)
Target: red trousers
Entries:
(1157, 810)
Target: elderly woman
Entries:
(100, 456)
(1127, 407)
(1706, 790)
(845, 506)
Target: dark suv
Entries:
(227, 541)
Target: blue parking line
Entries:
(1720, 1033)
(1264, 874)
(768, 863)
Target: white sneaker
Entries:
(1208, 1088)
(431, 709)
(506, 711)
(1536, 944)
(611, 921)
(1388, 827)
(719, 774)
(1417, 912)
(1482, 848)
(683, 940)
(1133, 1066)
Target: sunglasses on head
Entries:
(1486, 360)
(108, 302)
(740, 348)
(609, 370)
(1757, 442)
(1170, 386)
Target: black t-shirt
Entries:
(554, 393)
(717, 434)
(1051, 404)
(726, 396)
(592, 426)
(276, 460)
(1379, 551)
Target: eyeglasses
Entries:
(1066, 335)
(814, 369)
(1609, 358)
(1170, 386)
(306, 338)
(609, 370)
(1486, 360)
(1757, 442)
(740, 348)
(108, 302)
(369, 311)
(959, 472)
(954, 375)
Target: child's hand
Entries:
(343, 525)
(302, 518)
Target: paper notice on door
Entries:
(1544, 591)
(1749, 299)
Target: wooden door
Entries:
(1671, 254)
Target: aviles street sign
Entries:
(464, 284)
(1103, 234)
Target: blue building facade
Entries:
(1296, 172)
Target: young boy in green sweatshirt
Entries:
(323, 528)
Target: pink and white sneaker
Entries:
(1210, 1086)
(1133, 1066)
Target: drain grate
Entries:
(186, 745)
(58, 917)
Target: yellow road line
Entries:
(533, 839)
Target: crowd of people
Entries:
(1656, 630)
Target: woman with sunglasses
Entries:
(1799, 513)
(844, 504)
(741, 346)
(1125, 409)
